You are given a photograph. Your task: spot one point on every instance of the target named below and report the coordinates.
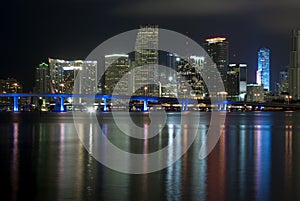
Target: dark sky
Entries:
(32, 31)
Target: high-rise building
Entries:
(42, 79)
(243, 81)
(237, 81)
(217, 49)
(283, 84)
(88, 77)
(146, 58)
(233, 74)
(190, 82)
(263, 68)
(115, 81)
(63, 74)
(169, 60)
(294, 66)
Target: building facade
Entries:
(190, 82)
(217, 49)
(10, 85)
(7, 86)
(255, 93)
(263, 68)
(42, 79)
(115, 81)
(63, 74)
(294, 66)
(146, 59)
(237, 81)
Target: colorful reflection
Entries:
(250, 162)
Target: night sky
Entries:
(32, 31)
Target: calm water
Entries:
(256, 158)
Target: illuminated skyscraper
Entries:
(190, 82)
(42, 79)
(237, 81)
(146, 58)
(294, 67)
(263, 68)
(117, 66)
(217, 49)
(63, 74)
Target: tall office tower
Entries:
(294, 67)
(263, 68)
(146, 58)
(243, 81)
(63, 74)
(42, 79)
(233, 74)
(88, 77)
(115, 81)
(217, 49)
(237, 81)
(170, 63)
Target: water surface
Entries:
(256, 158)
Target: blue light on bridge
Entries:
(16, 104)
(145, 108)
(62, 104)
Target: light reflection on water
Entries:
(256, 158)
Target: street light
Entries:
(256, 97)
(288, 98)
(16, 87)
(145, 89)
(62, 87)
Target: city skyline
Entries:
(231, 59)
(228, 60)
(216, 47)
(31, 35)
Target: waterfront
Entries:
(256, 158)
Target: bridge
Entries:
(184, 101)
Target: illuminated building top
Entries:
(43, 64)
(116, 55)
(215, 40)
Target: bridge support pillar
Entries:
(222, 107)
(105, 104)
(186, 105)
(145, 108)
(62, 104)
(16, 104)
